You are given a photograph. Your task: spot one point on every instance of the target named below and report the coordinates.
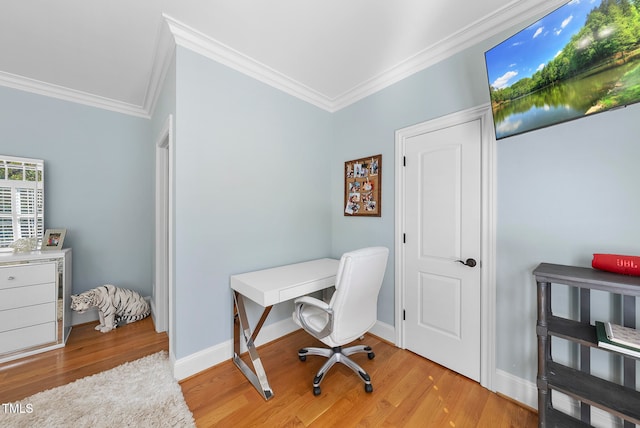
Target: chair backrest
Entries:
(355, 301)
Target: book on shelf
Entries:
(623, 335)
(606, 343)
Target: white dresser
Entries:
(35, 314)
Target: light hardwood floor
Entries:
(408, 391)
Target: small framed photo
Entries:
(53, 239)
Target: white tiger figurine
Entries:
(115, 305)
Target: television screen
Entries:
(581, 59)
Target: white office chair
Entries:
(351, 312)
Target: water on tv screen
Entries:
(583, 58)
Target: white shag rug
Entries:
(141, 393)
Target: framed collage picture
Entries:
(362, 180)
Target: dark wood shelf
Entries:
(575, 331)
(617, 399)
(620, 400)
(557, 419)
(588, 278)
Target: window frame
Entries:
(15, 193)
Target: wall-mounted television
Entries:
(583, 58)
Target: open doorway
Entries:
(161, 301)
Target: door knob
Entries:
(468, 262)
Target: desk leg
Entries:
(241, 330)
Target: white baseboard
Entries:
(384, 331)
(207, 358)
(516, 388)
(202, 360)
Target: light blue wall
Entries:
(98, 183)
(368, 128)
(563, 193)
(259, 183)
(252, 167)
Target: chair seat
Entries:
(315, 317)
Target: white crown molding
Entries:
(506, 17)
(517, 11)
(60, 92)
(164, 49)
(164, 52)
(503, 19)
(208, 47)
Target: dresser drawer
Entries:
(11, 298)
(12, 319)
(21, 275)
(22, 338)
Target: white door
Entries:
(442, 230)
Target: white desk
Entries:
(268, 287)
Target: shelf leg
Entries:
(629, 320)
(585, 351)
(544, 350)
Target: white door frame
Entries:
(487, 259)
(163, 285)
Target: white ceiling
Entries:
(330, 52)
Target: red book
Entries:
(626, 265)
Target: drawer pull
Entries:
(11, 278)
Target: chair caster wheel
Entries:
(371, 355)
(368, 387)
(302, 354)
(316, 390)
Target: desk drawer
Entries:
(12, 319)
(15, 340)
(303, 289)
(21, 275)
(11, 298)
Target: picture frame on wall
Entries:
(362, 182)
(53, 239)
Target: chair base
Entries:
(338, 355)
